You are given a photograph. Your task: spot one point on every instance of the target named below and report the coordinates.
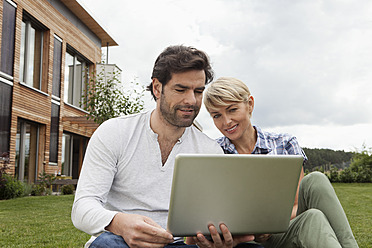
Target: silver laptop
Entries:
(248, 193)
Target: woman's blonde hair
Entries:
(225, 90)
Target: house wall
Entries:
(35, 105)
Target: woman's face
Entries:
(233, 120)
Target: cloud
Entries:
(307, 63)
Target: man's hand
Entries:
(228, 240)
(139, 231)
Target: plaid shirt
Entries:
(267, 143)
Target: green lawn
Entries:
(357, 202)
(39, 221)
(45, 221)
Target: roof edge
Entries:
(82, 13)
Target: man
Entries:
(125, 182)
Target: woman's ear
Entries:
(250, 105)
(156, 87)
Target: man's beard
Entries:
(171, 114)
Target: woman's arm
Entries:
(295, 205)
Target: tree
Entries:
(104, 98)
(361, 165)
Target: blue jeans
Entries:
(109, 239)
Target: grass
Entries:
(45, 221)
(356, 200)
(39, 221)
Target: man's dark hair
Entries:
(178, 59)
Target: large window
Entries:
(73, 150)
(76, 77)
(27, 149)
(32, 40)
(5, 111)
(54, 130)
(57, 63)
(7, 37)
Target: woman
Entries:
(318, 219)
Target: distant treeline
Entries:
(323, 159)
(341, 166)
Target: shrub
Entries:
(4, 161)
(12, 188)
(67, 189)
(334, 175)
(44, 186)
(28, 189)
(40, 190)
(347, 176)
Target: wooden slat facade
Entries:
(35, 105)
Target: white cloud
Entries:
(308, 63)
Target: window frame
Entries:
(54, 132)
(32, 28)
(57, 67)
(8, 44)
(70, 87)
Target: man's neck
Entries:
(163, 128)
(168, 134)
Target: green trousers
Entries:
(320, 221)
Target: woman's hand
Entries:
(261, 238)
(228, 241)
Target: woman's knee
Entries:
(315, 180)
(314, 213)
(313, 219)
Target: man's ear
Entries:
(156, 87)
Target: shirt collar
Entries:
(155, 135)
(261, 146)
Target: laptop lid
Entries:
(249, 193)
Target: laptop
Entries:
(251, 194)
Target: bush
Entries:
(11, 188)
(44, 186)
(28, 189)
(334, 175)
(67, 189)
(40, 190)
(348, 176)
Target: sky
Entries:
(308, 64)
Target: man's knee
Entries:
(108, 239)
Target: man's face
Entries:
(181, 98)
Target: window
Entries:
(5, 112)
(57, 62)
(76, 78)
(73, 150)
(66, 154)
(54, 131)
(32, 39)
(27, 149)
(7, 38)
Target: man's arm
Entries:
(97, 177)
(95, 180)
(139, 231)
